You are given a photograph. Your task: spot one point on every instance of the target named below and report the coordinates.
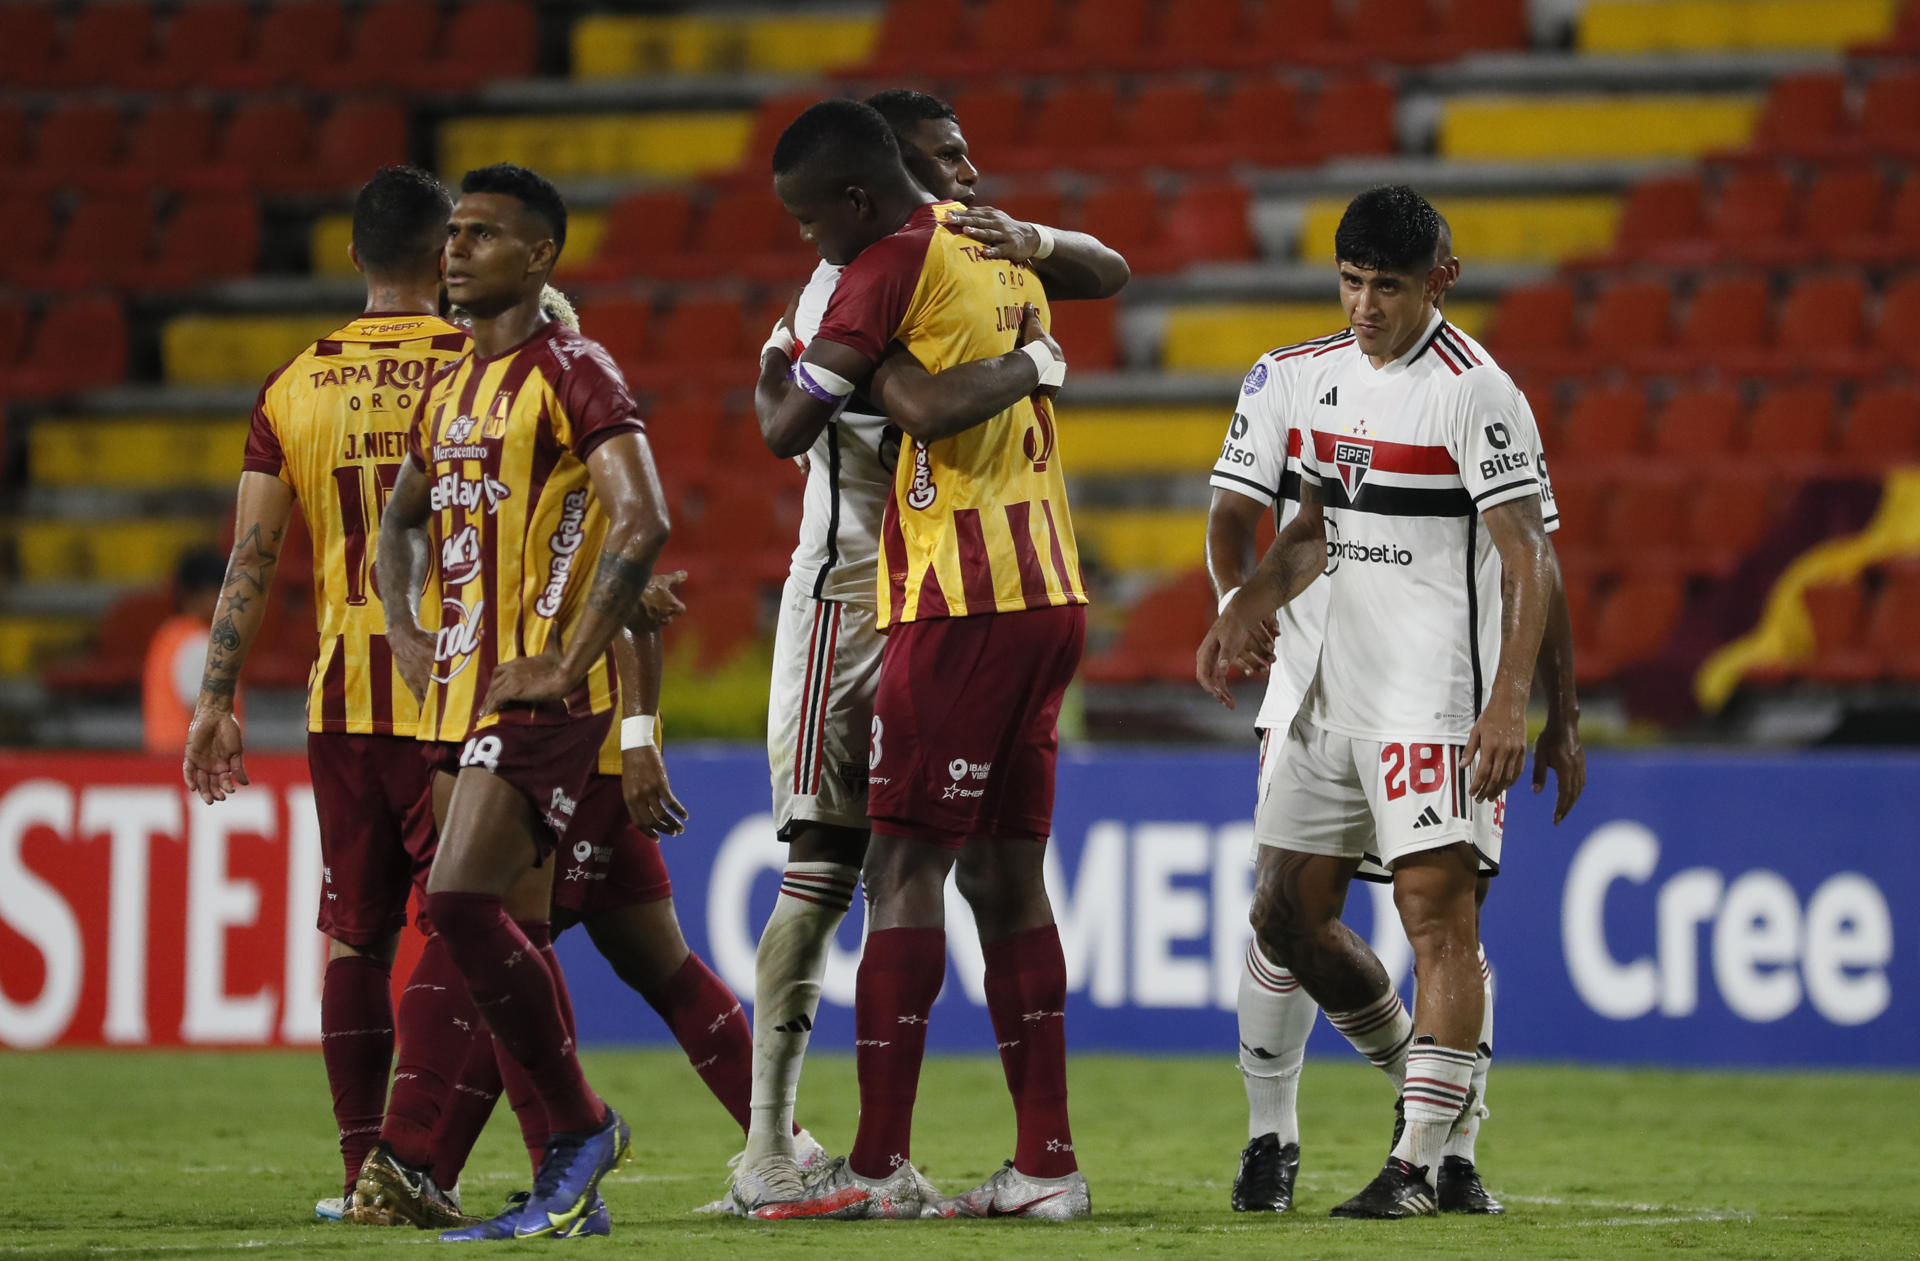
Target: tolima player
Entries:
(827, 647)
(330, 428)
(529, 470)
(981, 593)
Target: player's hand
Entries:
(1499, 740)
(1003, 235)
(215, 763)
(1032, 330)
(413, 654)
(650, 800)
(526, 681)
(659, 601)
(1241, 638)
(1560, 750)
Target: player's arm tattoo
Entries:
(618, 585)
(265, 503)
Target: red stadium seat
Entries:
(1883, 427)
(1887, 111)
(1636, 619)
(15, 325)
(1483, 24)
(118, 655)
(77, 344)
(1163, 125)
(357, 137)
(1728, 315)
(1085, 331)
(265, 144)
(1161, 631)
(1532, 323)
(202, 43)
(1354, 117)
(1627, 317)
(391, 38)
(1074, 118)
(294, 40)
(1889, 634)
(1289, 33)
(105, 239)
(1577, 498)
(1198, 33)
(911, 30)
(684, 432)
(13, 135)
(1837, 611)
(722, 617)
(1803, 115)
(621, 325)
(75, 140)
(702, 331)
(640, 227)
(993, 116)
(991, 46)
(1604, 424)
(1657, 211)
(1647, 509)
(1033, 204)
(1824, 313)
(1126, 216)
(1209, 219)
(27, 38)
(1727, 512)
(1105, 35)
(1791, 424)
(107, 45)
(1897, 333)
(1259, 121)
(26, 224)
(484, 41)
(1699, 421)
(1843, 201)
(172, 137)
(1750, 218)
(1398, 31)
(209, 237)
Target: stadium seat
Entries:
(265, 144)
(1353, 117)
(1897, 332)
(1104, 35)
(201, 43)
(1636, 619)
(171, 137)
(1889, 631)
(105, 238)
(1846, 200)
(486, 41)
(15, 324)
(208, 237)
(1085, 331)
(1646, 512)
(741, 231)
(1209, 219)
(1157, 642)
(993, 116)
(1483, 25)
(1702, 420)
(1887, 110)
(1163, 125)
(684, 432)
(1032, 203)
(908, 29)
(1397, 31)
(119, 653)
(294, 41)
(1727, 315)
(106, 45)
(701, 331)
(1882, 427)
(27, 44)
(621, 325)
(770, 118)
(1259, 121)
(1533, 324)
(1803, 116)
(1727, 512)
(75, 140)
(640, 227)
(77, 344)
(26, 224)
(1628, 316)
(722, 618)
(1822, 328)
(1578, 499)
(391, 38)
(1749, 221)
(1075, 118)
(13, 135)
(1604, 424)
(1657, 211)
(1126, 215)
(356, 137)
(1211, 34)
(990, 45)
(1791, 425)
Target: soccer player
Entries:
(981, 595)
(330, 428)
(1259, 466)
(529, 469)
(827, 646)
(1414, 724)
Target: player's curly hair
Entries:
(837, 139)
(533, 190)
(904, 109)
(1389, 228)
(558, 306)
(400, 219)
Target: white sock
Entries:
(788, 967)
(1381, 1031)
(1438, 1078)
(1461, 1144)
(1275, 1017)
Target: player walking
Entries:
(1408, 737)
(1259, 466)
(529, 463)
(330, 428)
(827, 647)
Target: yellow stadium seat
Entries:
(1637, 26)
(159, 452)
(1561, 128)
(1493, 229)
(1155, 539)
(1228, 337)
(106, 551)
(573, 146)
(1176, 441)
(608, 46)
(237, 349)
(26, 642)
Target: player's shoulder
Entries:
(903, 249)
(1465, 369)
(574, 357)
(823, 281)
(1285, 367)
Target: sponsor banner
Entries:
(1712, 909)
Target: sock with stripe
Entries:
(1026, 985)
(711, 1027)
(356, 1043)
(1275, 1017)
(1381, 1031)
(437, 1025)
(1438, 1078)
(900, 976)
(466, 1111)
(788, 968)
(1462, 1144)
(517, 994)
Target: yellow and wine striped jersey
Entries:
(978, 522)
(333, 424)
(516, 527)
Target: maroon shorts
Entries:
(549, 764)
(964, 724)
(610, 862)
(374, 796)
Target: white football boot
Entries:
(837, 1193)
(331, 1210)
(1010, 1193)
(770, 1181)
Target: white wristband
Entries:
(1045, 249)
(781, 339)
(1227, 599)
(636, 732)
(1052, 371)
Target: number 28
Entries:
(1426, 761)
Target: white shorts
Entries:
(826, 664)
(1377, 801)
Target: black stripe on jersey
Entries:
(1290, 485)
(833, 510)
(1265, 493)
(1473, 609)
(1316, 344)
(1451, 338)
(1399, 501)
(1428, 344)
(1506, 486)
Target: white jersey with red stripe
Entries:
(849, 478)
(1261, 460)
(1407, 457)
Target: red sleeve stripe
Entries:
(1440, 349)
(1457, 343)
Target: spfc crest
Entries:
(1353, 459)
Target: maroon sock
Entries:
(466, 1110)
(711, 1028)
(437, 1026)
(356, 1042)
(900, 976)
(1027, 998)
(518, 997)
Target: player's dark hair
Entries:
(839, 141)
(1389, 228)
(400, 219)
(532, 189)
(1442, 239)
(904, 109)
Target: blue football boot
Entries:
(595, 1221)
(565, 1201)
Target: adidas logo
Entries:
(799, 1024)
(1258, 1052)
(1331, 398)
(1429, 818)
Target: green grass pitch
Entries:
(168, 1155)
